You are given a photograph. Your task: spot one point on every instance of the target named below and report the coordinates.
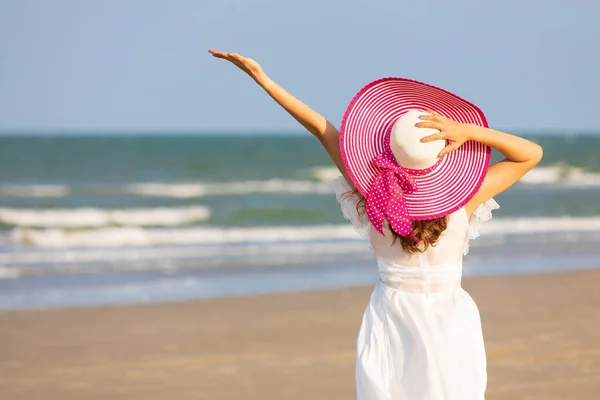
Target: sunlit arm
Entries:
(521, 156)
(514, 148)
(314, 122)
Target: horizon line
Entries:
(228, 133)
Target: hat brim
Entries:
(365, 133)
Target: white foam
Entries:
(34, 191)
(561, 175)
(9, 273)
(94, 217)
(138, 236)
(190, 189)
(503, 226)
(325, 174)
(175, 190)
(75, 258)
(558, 175)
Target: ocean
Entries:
(101, 220)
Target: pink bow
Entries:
(386, 196)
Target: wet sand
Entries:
(542, 336)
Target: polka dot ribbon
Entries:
(386, 195)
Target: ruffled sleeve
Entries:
(481, 214)
(348, 202)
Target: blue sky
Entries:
(122, 65)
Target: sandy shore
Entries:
(542, 334)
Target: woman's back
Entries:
(438, 268)
(452, 244)
(448, 249)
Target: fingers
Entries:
(233, 57)
(436, 115)
(217, 53)
(221, 55)
(432, 124)
(451, 147)
(435, 136)
(432, 116)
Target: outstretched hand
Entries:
(455, 133)
(248, 65)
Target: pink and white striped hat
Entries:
(401, 177)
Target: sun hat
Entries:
(400, 176)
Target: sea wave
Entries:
(522, 225)
(324, 174)
(34, 191)
(139, 236)
(561, 175)
(166, 257)
(191, 190)
(95, 217)
(178, 190)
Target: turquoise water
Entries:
(130, 209)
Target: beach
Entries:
(168, 231)
(542, 338)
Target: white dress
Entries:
(420, 337)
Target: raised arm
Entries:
(521, 154)
(315, 123)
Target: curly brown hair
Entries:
(425, 233)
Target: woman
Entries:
(418, 184)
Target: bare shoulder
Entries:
(468, 211)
